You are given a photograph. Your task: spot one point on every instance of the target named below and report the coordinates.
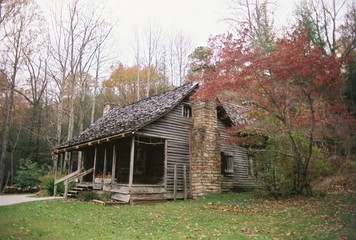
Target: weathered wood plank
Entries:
(174, 128)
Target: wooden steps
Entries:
(73, 193)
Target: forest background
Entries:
(54, 78)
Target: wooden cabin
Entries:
(162, 147)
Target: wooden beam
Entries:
(175, 183)
(105, 161)
(132, 158)
(165, 162)
(61, 163)
(70, 162)
(185, 181)
(80, 162)
(105, 166)
(90, 143)
(79, 159)
(55, 173)
(94, 165)
(113, 170)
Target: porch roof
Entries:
(130, 118)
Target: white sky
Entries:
(198, 19)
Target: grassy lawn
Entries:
(225, 216)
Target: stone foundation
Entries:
(205, 160)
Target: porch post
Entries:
(61, 162)
(94, 166)
(79, 163)
(165, 162)
(70, 162)
(113, 170)
(55, 163)
(105, 162)
(104, 167)
(132, 157)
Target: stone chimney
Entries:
(108, 107)
(205, 162)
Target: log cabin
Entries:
(162, 147)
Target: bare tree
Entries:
(17, 34)
(151, 42)
(256, 16)
(182, 51)
(137, 52)
(179, 47)
(80, 32)
(323, 17)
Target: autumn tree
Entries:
(331, 26)
(293, 94)
(121, 88)
(18, 31)
(347, 44)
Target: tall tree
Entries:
(121, 88)
(293, 93)
(347, 43)
(331, 25)
(80, 32)
(323, 21)
(257, 17)
(179, 48)
(151, 49)
(17, 33)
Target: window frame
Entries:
(187, 110)
(227, 163)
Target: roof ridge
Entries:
(156, 95)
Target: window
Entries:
(251, 166)
(227, 163)
(187, 111)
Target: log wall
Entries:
(175, 129)
(240, 179)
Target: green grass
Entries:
(225, 216)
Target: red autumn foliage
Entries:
(293, 93)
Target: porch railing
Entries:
(70, 178)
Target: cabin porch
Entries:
(131, 168)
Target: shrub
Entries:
(88, 196)
(47, 184)
(28, 174)
(278, 172)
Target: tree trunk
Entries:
(59, 121)
(305, 182)
(5, 138)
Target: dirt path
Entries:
(20, 198)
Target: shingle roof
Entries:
(235, 112)
(132, 117)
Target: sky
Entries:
(197, 19)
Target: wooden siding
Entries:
(175, 129)
(240, 179)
